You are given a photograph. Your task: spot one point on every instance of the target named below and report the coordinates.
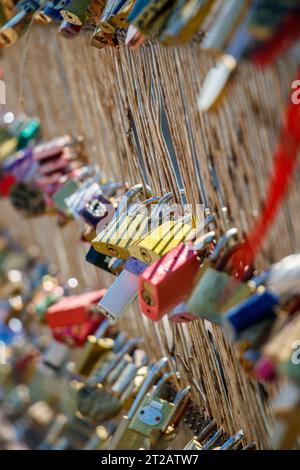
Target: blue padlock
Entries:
(52, 9)
(253, 310)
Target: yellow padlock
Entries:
(162, 239)
(127, 225)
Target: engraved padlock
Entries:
(115, 239)
(215, 290)
(165, 283)
(123, 292)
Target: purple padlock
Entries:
(69, 30)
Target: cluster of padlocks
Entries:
(257, 29)
(163, 258)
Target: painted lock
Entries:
(215, 291)
(127, 222)
(165, 283)
(73, 310)
(185, 21)
(98, 259)
(115, 303)
(60, 196)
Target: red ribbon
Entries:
(285, 163)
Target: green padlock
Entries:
(60, 196)
(216, 291)
(155, 414)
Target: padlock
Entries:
(13, 29)
(125, 438)
(55, 355)
(123, 292)
(134, 37)
(255, 309)
(101, 39)
(59, 197)
(115, 15)
(53, 7)
(95, 347)
(28, 198)
(69, 30)
(282, 348)
(216, 291)
(150, 16)
(161, 240)
(99, 402)
(74, 309)
(165, 283)
(185, 20)
(180, 314)
(98, 259)
(76, 12)
(116, 237)
(6, 11)
(156, 416)
(76, 335)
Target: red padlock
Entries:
(73, 310)
(76, 335)
(165, 283)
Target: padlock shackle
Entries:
(147, 383)
(158, 211)
(203, 241)
(168, 376)
(126, 349)
(199, 230)
(180, 403)
(232, 441)
(102, 329)
(129, 195)
(213, 440)
(223, 242)
(206, 431)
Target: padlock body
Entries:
(255, 309)
(119, 297)
(98, 259)
(152, 415)
(167, 281)
(72, 310)
(210, 295)
(160, 241)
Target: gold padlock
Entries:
(126, 225)
(161, 240)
